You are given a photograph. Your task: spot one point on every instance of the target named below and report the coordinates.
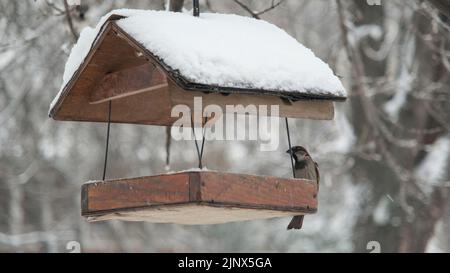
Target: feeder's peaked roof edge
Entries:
(179, 79)
(57, 101)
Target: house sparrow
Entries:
(305, 168)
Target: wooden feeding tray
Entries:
(198, 198)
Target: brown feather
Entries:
(305, 169)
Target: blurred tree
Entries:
(391, 149)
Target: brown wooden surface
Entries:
(111, 54)
(257, 191)
(127, 82)
(193, 214)
(308, 109)
(167, 198)
(118, 68)
(136, 192)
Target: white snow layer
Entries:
(220, 49)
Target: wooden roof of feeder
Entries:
(148, 61)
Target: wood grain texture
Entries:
(135, 193)
(308, 109)
(128, 82)
(166, 198)
(111, 54)
(257, 191)
(192, 214)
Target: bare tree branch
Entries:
(54, 7)
(257, 14)
(442, 5)
(273, 6)
(69, 21)
(246, 8)
(369, 112)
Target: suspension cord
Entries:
(203, 138)
(196, 145)
(107, 140)
(290, 147)
(199, 150)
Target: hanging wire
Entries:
(290, 147)
(199, 150)
(107, 140)
(196, 8)
(203, 139)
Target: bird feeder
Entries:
(135, 66)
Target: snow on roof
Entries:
(220, 49)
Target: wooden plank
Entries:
(128, 82)
(195, 187)
(257, 191)
(192, 214)
(135, 192)
(308, 109)
(167, 198)
(152, 108)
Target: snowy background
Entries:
(384, 159)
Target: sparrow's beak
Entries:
(289, 151)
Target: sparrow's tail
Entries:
(296, 222)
